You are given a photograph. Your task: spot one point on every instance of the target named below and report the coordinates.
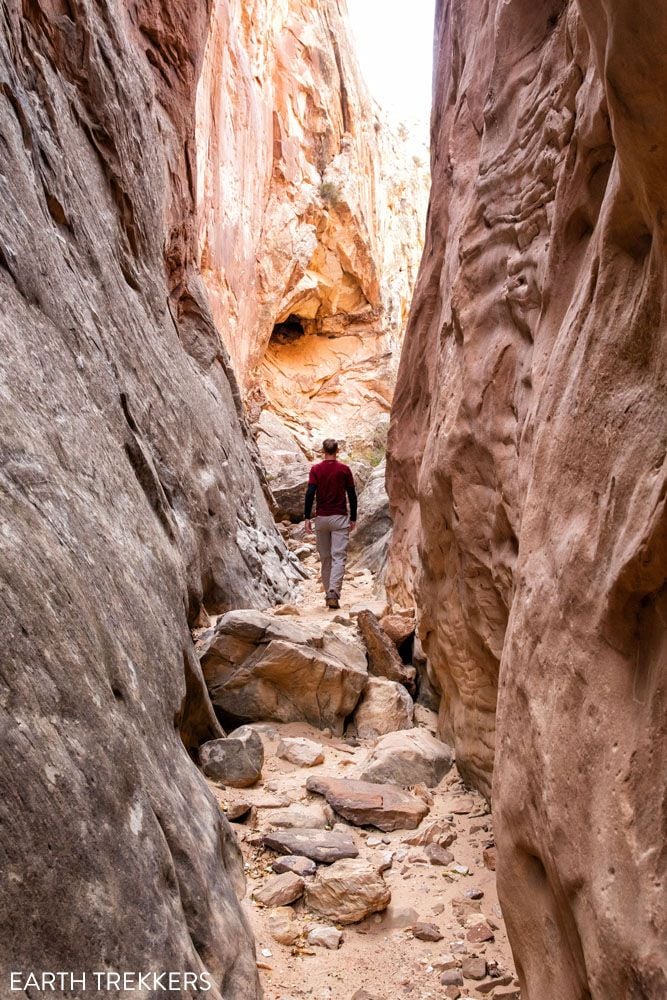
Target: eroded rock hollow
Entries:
(527, 470)
(311, 214)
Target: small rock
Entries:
(325, 937)
(385, 862)
(280, 890)
(512, 993)
(266, 953)
(452, 977)
(474, 893)
(283, 926)
(236, 760)
(437, 855)
(453, 992)
(426, 932)
(300, 751)
(473, 968)
(444, 962)
(286, 609)
(434, 832)
(237, 810)
(373, 841)
(480, 932)
(296, 864)
(489, 857)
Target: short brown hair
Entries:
(330, 446)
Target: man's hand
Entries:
(353, 525)
(309, 527)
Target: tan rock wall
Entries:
(527, 468)
(310, 209)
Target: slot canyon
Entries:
(216, 250)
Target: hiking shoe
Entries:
(332, 601)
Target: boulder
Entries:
(283, 925)
(280, 890)
(258, 666)
(438, 855)
(370, 541)
(325, 937)
(383, 658)
(300, 815)
(323, 846)
(386, 807)
(399, 625)
(437, 831)
(408, 757)
(236, 760)
(348, 891)
(384, 708)
(287, 467)
(300, 751)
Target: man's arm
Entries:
(352, 500)
(310, 496)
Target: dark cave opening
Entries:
(288, 331)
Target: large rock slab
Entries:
(383, 658)
(363, 803)
(384, 708)
(236, 760)
(527, 469)
(300, 815)
(409, 757)
(258, 666)
(348, 891)
(323, 846)
(287, 468)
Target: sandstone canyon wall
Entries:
(527, 471)
(130, 497)
(311, 220)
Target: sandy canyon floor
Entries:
(378, 958)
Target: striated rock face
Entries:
(527, 468)
(129, 498)
(310, 218)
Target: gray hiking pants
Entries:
(332, 532)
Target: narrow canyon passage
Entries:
(215, 251)
(414, 911)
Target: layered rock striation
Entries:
(130, 499)
(311, 216)
(527, 470)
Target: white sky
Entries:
(394, 41)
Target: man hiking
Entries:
(333, 484)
